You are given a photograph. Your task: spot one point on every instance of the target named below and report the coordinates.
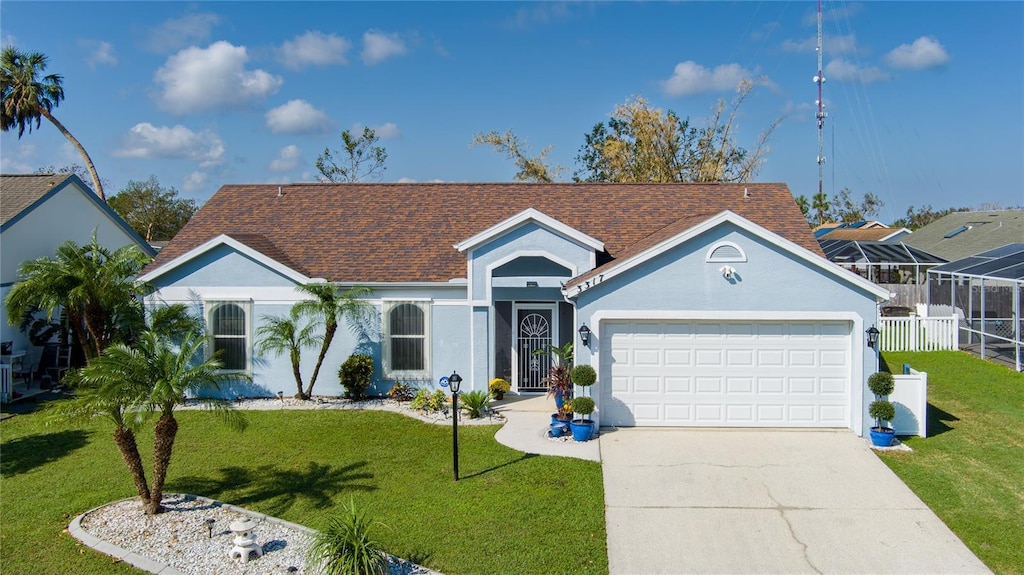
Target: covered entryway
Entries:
(535, 329)
(726, 373)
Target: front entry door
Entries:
(534, 331)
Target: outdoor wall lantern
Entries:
(872, 336)
(585, 334)
(454, 381)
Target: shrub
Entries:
(498, 385)
(419, 402)
(429, 401)
(355, 374)
(881, 410)
(401, 392)
(583, 375)
(346, 546)
(882, 383)
(583, 405)
(475, 403)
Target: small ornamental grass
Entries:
(475, 403)
(347, 546)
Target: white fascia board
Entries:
(523, 218)
(727, 216)
(896, 233)
(236, 245)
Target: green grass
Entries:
(509, 512)
(970, 470)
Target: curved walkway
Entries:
(527, 419)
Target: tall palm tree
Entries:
(95, 286)
(279, 335)
(28, 97)
(329, 306)
(153, 376)
(821, 206)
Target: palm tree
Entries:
(91, 401)
(153, 376)
(330, 306)
(95, 286)
(283, 335)
(28, 97)
(821, 206)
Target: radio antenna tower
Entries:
(820, 115)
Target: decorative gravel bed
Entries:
(179, 537)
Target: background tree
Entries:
(804, 204)
(329, 306)
(28, 97)
(76, 169)
(155, 212)
(360, 158)
(920, 217)
(640, 143)
(288, 335)
(531, 168)
(846, 209)
(821, 207)
(94, 286)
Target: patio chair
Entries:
(55, 361)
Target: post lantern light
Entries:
(872, 336)
(454, 380)
(585, 334)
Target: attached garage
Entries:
(726, 373)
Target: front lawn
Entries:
(508, 513)
(970, 470)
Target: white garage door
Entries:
(725, 373)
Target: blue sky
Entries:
(925, 99)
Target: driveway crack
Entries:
(792, 533)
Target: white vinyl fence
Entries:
(916, 333)
(910, 397)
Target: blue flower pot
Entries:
(581, 429)
(883, 437)
(559, 429)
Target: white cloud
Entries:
(691, 78)
(838, 14)
(385, 131)
(194, 182)
(405, 180)
(832, 44)
(287, 159)
(17, 160)
(314, 49)
(924, 53)
(181, 32)
(844, 71)
(148, 141)
(297, 117)
(99, 52)
(197, 79)
(379, 46)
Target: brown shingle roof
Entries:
(362, 233)
(18, 192)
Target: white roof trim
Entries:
(522, 218)
(881, 294)
(236, 245)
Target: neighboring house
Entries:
(874, 234)
(708, 304)
(829, 227)
(962, 234)
(40, 212)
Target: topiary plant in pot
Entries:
(582, 428)
(882, 384)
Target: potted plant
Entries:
(561, 419)
(882, 384)
(582, 428)
(498, 387)
(558, 379)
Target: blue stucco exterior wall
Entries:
(530, 238)
(223, 266)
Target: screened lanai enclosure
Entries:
(985, 292)
(895, 265)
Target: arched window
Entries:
(228, 324)
(407, 349)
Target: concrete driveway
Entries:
(739, 501)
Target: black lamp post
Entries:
(454, 380)
(585, 335)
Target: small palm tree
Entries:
(95, 286)
(347, 547)
(280, 335)
(821, 206)
(329, 305)
(27, 97)
(153, 376)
